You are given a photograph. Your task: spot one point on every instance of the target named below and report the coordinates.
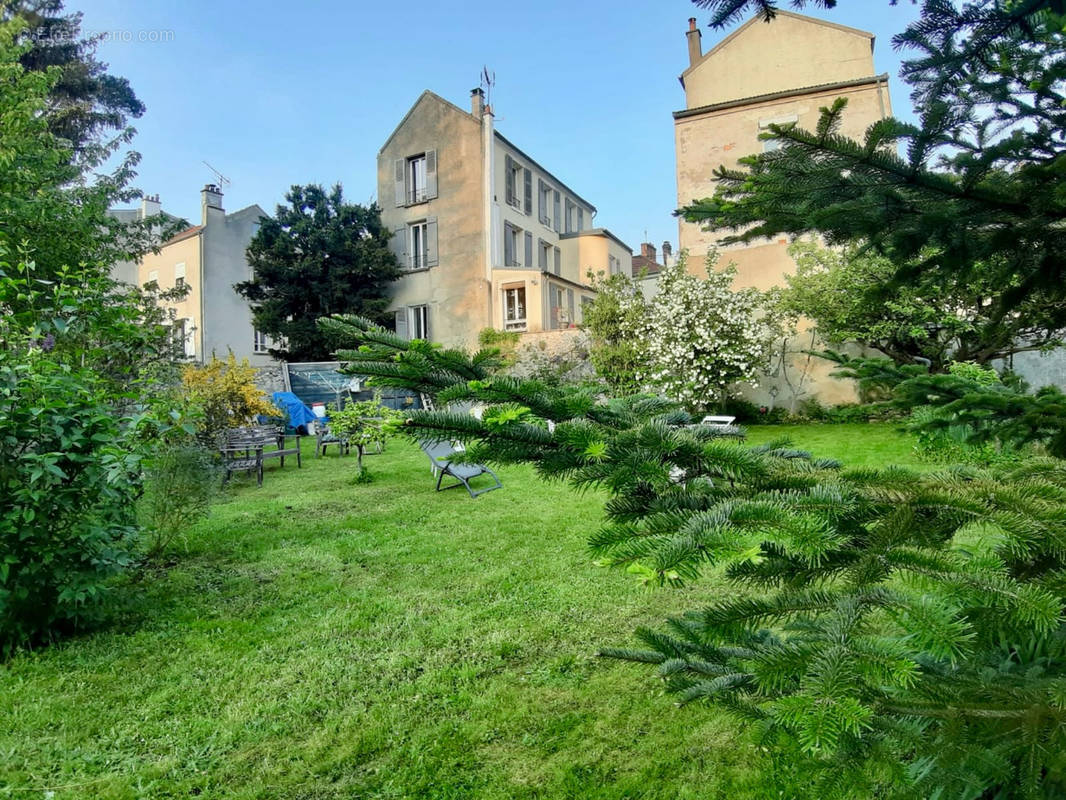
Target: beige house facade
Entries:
(782, 71)
(208, 259)
(487, 237)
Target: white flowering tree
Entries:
(702, 335)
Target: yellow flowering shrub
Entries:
(226, 391)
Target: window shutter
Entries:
(542, 254)
(529, 192)
(542, 206)
(508, 245)
(431, 174)
(431, 242)
(401, 323)
(508, 180)
(555, 219)
(401, 181)
(570, 304)
(529, 249)
(580, 218)
(398, 245)
(558, 261)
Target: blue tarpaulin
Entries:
(294, 408)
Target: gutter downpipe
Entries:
(488, 136)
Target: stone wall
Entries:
(270, 378)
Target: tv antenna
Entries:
(221, 179)
(488, 80)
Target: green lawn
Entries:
(323, 639)
(856, 444)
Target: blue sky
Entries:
(273, 94)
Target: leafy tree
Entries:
(81, 362)
(362, 425)
(978, 189)
(316, 256)
(888, 633)
(47, 198)
(85, 102)
(614, 321)
(851, 297)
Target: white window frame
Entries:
(261, 343)
(555, 321)
(570, 216)
(417, 190)
(518, 182)
(183, 331)
(545, 201)
(515, 310)
(418, 256)
(516, 235)
(418, 321)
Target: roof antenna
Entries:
(221, 179)
(488, 80)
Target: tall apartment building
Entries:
(765, 72)
(209, 259)
(486, 235)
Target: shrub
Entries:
(179, 482)
(954, 444)
(68, 488)
(744, 410)
(226, 391)
(972, 371)
(846, 413)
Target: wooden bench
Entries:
(245, 449)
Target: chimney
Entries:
(695, 46)
(647, 249)
(210, 200)
(668, 252)
(477, 103)
(150, 205)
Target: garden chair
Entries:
(242, 455)
(440, 454)
(713, 421)
(323, 439)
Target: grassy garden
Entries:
(322, 639)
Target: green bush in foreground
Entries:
(893, 634)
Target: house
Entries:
(486, 235)
(209, 259)
(782, 71)
(763, 73)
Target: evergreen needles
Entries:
(894, 633)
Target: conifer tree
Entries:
(890, 633)
(976, 184)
